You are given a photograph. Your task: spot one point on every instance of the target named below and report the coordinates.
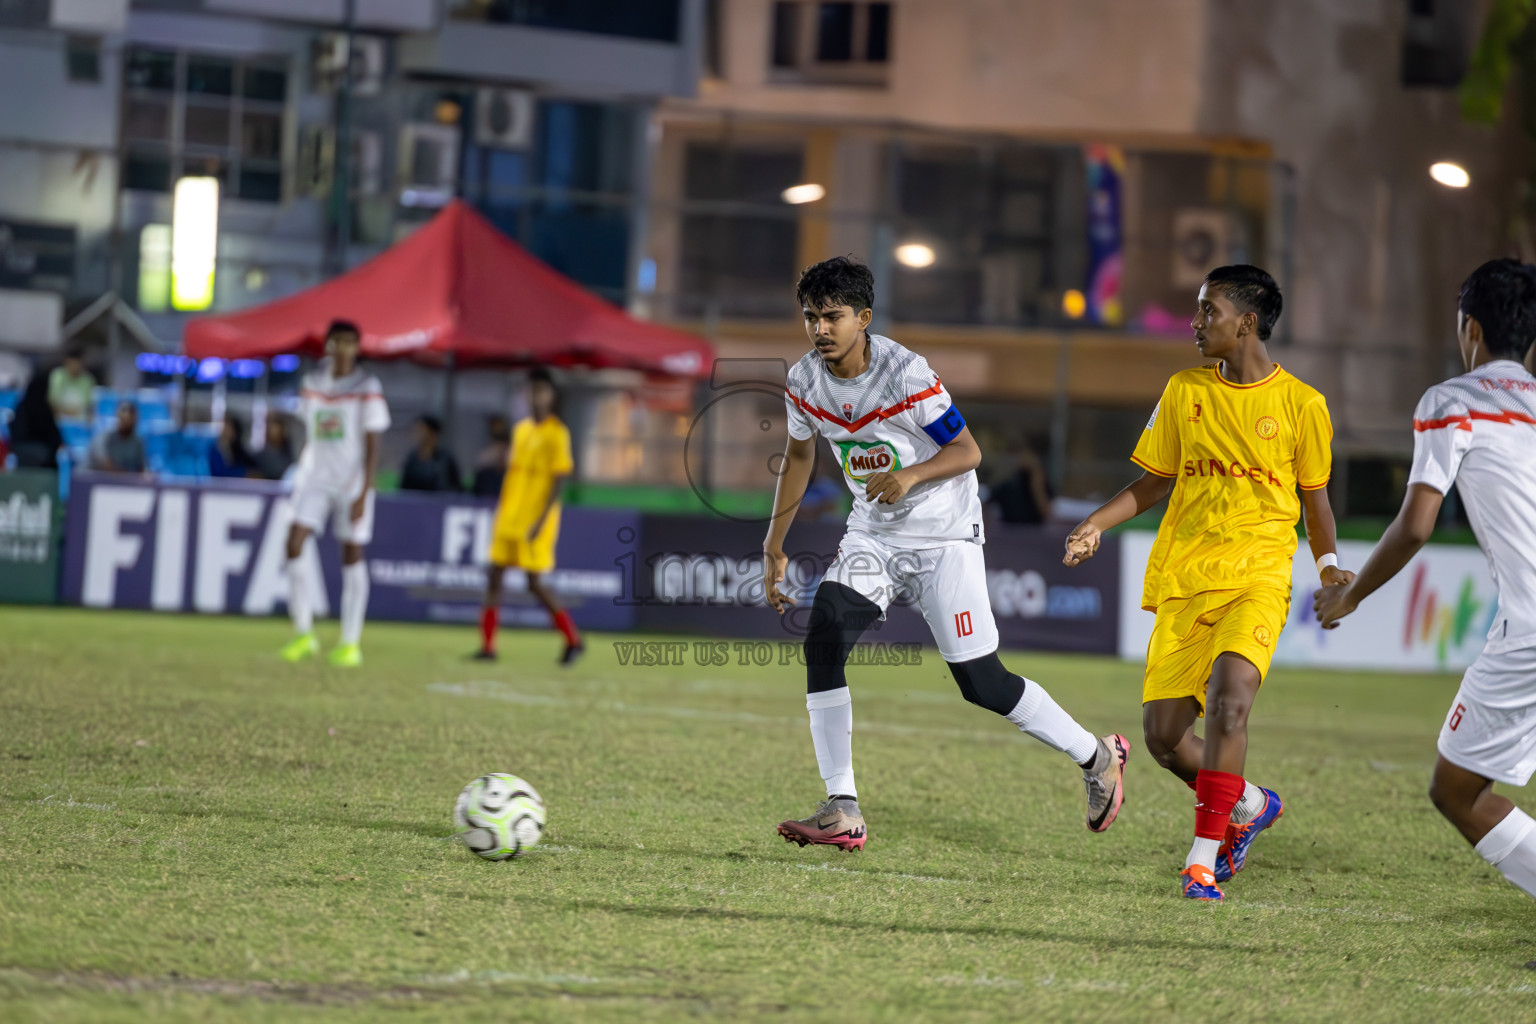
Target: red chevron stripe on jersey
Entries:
(869, 417)
(1465, 422)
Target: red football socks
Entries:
(488, 629)
(1217, 793)
(567, 628)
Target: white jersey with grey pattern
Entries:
(894, 414)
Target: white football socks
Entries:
(1203, 853)
(298, 597)
(354, 600)
(832, 734)
(1249, 806)
(1510, 846)
(1041, 717)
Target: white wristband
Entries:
(1330, 559)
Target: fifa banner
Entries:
(704, 575)
(1432, 617)
(29, 536)
(220, 548)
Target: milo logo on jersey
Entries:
(863, 459)
(329, 425)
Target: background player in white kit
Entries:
(344, 413)
(915, 529)
(1478, 431)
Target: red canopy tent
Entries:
(456, 292)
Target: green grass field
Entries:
(192, 830)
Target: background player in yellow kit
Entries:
(528, 518)
(1231, 442)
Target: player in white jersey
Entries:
(915, 532)
(344, 413)
(1478, 431)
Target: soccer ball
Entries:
(499, 816)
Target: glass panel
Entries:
(637, 19)
(147, 118)
(150, 69)
(147, 170)
(261, 136)
(878, 47)
(715, 172)
(84, 60)
(263, 83)
(206, 126)
(262, 186)
(194, 166)
(834, 32)
(786, 34)
(211, 76)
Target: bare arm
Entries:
(795, 477)
(1409, 532)
(1322, 534)
(1138, 496)
(961, 455)
(556, 485)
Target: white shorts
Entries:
(312, 506)
(948, 584)
(1497, 739)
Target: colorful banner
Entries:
(1106, 242)
(29, 536)
(1432, 617)
(220, 548)
(704, 575)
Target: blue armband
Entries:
(944, 429)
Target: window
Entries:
(194, 114)
(83, 58)
(714, 65)
(637, 19)
(841, 43)
(740, 243)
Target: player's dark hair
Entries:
(1501, 296)
(431, 422)
(343, 327)
(1251, 290)
(839, 281)
(541, 375)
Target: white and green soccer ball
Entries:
(499, 816)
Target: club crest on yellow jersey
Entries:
(1267, 428)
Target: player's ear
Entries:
(865, 316)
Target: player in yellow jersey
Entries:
(528, 518)
(1232, 443)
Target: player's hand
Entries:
(1082, 543)
(1333, 576)
(887, 488)
(1332, 602)
(775, 563)
(360, 506)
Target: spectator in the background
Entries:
(35, 435)
(120, 450)
(1024, 497)
(71, 387)
(491, 463)
(430, 467)
(228, 456)
(272, 462)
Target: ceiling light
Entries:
(915, 255)
(807, 193)
(1450, 175)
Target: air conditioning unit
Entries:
(429, 163)
(1203, 239)
(330, 52)
(503, 118)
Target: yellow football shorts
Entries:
(1191, 632)
(511, 547)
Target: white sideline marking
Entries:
(72, 802)
(492, 690)
(1370, 915)
(1049, 981)
(1469, 990)
(463, 976)
(877, 874)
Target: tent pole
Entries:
(450, 388)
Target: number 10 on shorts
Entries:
(962, 624)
